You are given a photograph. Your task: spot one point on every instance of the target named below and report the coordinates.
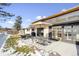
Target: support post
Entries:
(63, 33)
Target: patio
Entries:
(63, 48)
(58, 48)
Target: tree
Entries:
(4, 14)
(18, 22)
(0, 27)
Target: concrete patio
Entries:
(63, 48)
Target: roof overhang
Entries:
(40, 24)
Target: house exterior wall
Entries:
(76, 32)
(35, 30)
(21, 32)
(46, 31)
(27, 31)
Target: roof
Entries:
(59, 14)
(43, 23)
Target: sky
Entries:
(31, 12)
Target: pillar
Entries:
(72, 33)
(62, 34)
(46, 31)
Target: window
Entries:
(27, 29)
(59, 34)
(50, 27)
(69, 34)
(32, 29)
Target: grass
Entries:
(24, 49)
(11, 42)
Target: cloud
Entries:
(44, 16)
(26, 23)
(29, 20)
(40, 17)
(63, 10)
(10, 22)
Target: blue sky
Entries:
(31, 12)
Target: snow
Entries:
(54, 48)
(20, 42)
(7, 53)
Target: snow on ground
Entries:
(57, 47)
(25, 42)
(20, 43)
(7, 53)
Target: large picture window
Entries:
(68, 33)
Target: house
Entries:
(25, 31)
(63, 25)
(40, 28)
